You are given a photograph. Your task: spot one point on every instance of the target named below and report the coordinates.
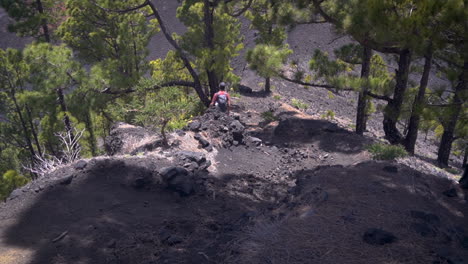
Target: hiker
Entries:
(221, 99)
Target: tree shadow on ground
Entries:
(328, 136)
(103, 216)
(249, 92)
(108, 216)
(454, 163)
(333, 207)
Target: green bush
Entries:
(298, 104)
(276, 97)
(9, 182)
(452, 171)
(269, 116)
(381, 151)
(328, 115)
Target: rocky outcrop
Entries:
(128, 139)
(228, 128)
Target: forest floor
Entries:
(293, 189)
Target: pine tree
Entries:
(266, 17)
(33, 18)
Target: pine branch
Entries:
(122, 11)
(242, 11)
(380, 97)
(326, 86)
(155, 87)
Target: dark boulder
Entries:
(198, 157)
(80, 165)
(194, 125)
(237, 130)
(178, 180)
(66, 180)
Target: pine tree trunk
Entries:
(33, 131)
(63, 107)
(208, 19)
(267, 85)
(449, 128)
(418, 106)
(361, 117)
(163, 132)
(464, 179)
(393, 108)
(196, 79)
(92, 137)
(213, 82)
(23, 125)
(465, 158)
(45, 28)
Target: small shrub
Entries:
(298, 104)
(331, 95)
(276, 97)
(9, 182)
(452, 170)
(386, 152)
(269, 116)
(328, 115)
(234, 94)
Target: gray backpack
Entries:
(222, 98)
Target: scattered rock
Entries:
(375, 236)
(204, 143)
(450, 193)
(237, 130)
(15, 194)
(178, 179)
(209, 148)
(204, 165)
(192, 166)
(180, 133)
(253, 141)
(198, 157)
(66, 180)
(391, 169)
(195, 125)
(174, 239)
(80, 165)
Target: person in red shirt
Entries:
(221, 99)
